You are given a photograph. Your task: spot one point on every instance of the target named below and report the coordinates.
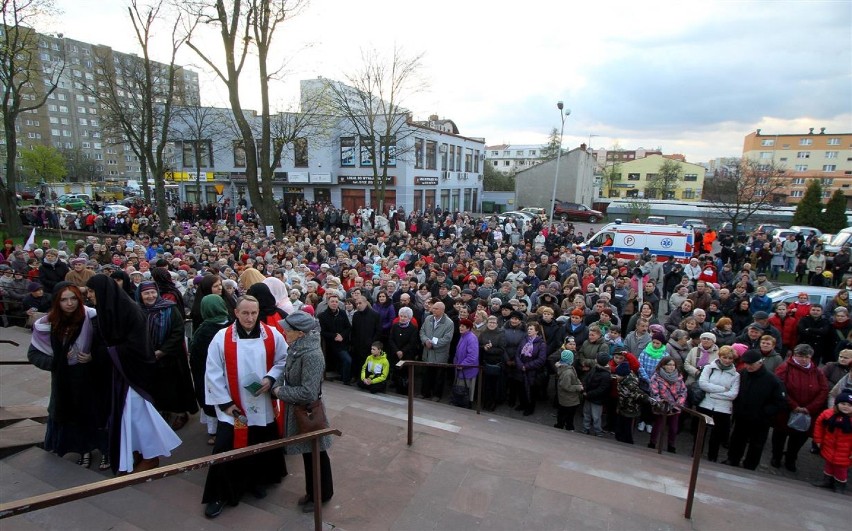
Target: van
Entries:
(627, 240)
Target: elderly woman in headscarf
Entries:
(214, 315)
(167, 289)
(281, 293)
(138, 435)
(269, 311)
(172, 390)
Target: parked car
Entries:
(518, 216)
(113, 210)
(779, 235)
(844, 237)
(789, 293)
(656, 220)
(727, 228)
(111, 193)
(540, 212)
(766, 228)
(28, 194)
(72, 201)
(576, 212)
(806, 231)
(696, 224)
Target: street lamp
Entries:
(563, 113)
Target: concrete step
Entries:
(171, 503)
(22, 433)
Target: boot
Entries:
(840, 488)
(826, 483)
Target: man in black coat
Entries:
(815, 330)
(52, 270)
(336, 331)
(761, 398)
(366, 328)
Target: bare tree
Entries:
(664, 182)
(138, 95)
(246, 26)
(370, 104)
(27, 82)
(741, 188)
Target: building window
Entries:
(767, 142)
(495, 153)
(300, 152)
(532, 153)
(689, 193)
(806, 141)
(452, 164)
(831, 154)
(829, 167)
(690, 177)
(431, 155)
(468, 159)
(388, 150)
(496, 162)
(418, 153)
(798, 181)
(633, 177)
(801, 167)
(833, 141)
(506, 163)
(632, 193)
(614, 192)
(347, 151)
(827, 182)
(766, 154)
(239, 154)
(803, 155)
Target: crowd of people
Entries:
(615, 345)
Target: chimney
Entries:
(758, 132)
(822, 130)
(810, 130)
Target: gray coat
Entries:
(302, 385)
(440, 352)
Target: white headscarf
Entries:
(281, 293)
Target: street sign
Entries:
(219, 188)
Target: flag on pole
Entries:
(30, 241)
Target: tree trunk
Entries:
(7, 192)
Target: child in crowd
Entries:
(569, 389)
(596, 385)
(613, 339)
(833, 435)
(374, 372)
(629, 398)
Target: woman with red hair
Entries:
(61, 343)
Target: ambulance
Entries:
(627, 240)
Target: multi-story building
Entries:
(609, 157)
(575, 183)
(802, 157)
(635, 178)
(73, 118)
(512, 158)
(431, 165)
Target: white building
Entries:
(512, 158)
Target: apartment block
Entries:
(512, 158)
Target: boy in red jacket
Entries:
(833, 435)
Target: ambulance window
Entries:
(604, 239)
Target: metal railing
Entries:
(697, 451)
(410, 364)
(59, 497)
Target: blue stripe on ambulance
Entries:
(632, 250)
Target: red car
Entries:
(577, 212)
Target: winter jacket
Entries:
(815, 332)
(405, 340)
(332, 324)
(806, 387)
(496, 354)
(761, 397)
(366, 328)
(596, 384)
(772, 360)
(387, 313)
(721, 386)
(568, 386)
(467, 353)
(376, 368)
(724, 338)
(673, 393)
(533, 363)
(630, 396)
(690, 364)
(52, 274)
(834, 446)
(587, 355)
(788, 328)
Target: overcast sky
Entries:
(689, 77)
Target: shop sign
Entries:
(297, 177)
(366, 180)
(323, 178)
(426, 181)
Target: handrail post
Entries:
(317, 479)
(696, 460)
(410, 368)
(480, 380)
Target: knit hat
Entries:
(659, 336)
(603, 359)
(739, 348)
(567, 357)
(709, 335)
(623, 369)
(33, 287)
(299, 320)
(752, 356)
(845, 396)
(760, 315)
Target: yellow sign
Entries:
(187, 176)
(219, 188)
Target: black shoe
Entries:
(671, 450)
(826, 483)
(258, 492)
(214, 509)
(308, 507)
(652, 446)
(528, 412)
(730, 463)
(557, 426)
(519, 408)
(790, 465)
(775, 462)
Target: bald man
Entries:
(436, 335)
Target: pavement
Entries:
(463, 471)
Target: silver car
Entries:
(790, 293)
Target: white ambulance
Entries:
(627, 240)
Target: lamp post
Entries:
(563, 113)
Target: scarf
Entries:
(213, 309)
(655, 353)
(797, 362)
(403, 325)
(838, 420)
(527, 349)
(158, 315)
(670, 377)
(723, 367)
(704, 358)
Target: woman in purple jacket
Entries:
(529, 360)
(467, 353)
(387, 313)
